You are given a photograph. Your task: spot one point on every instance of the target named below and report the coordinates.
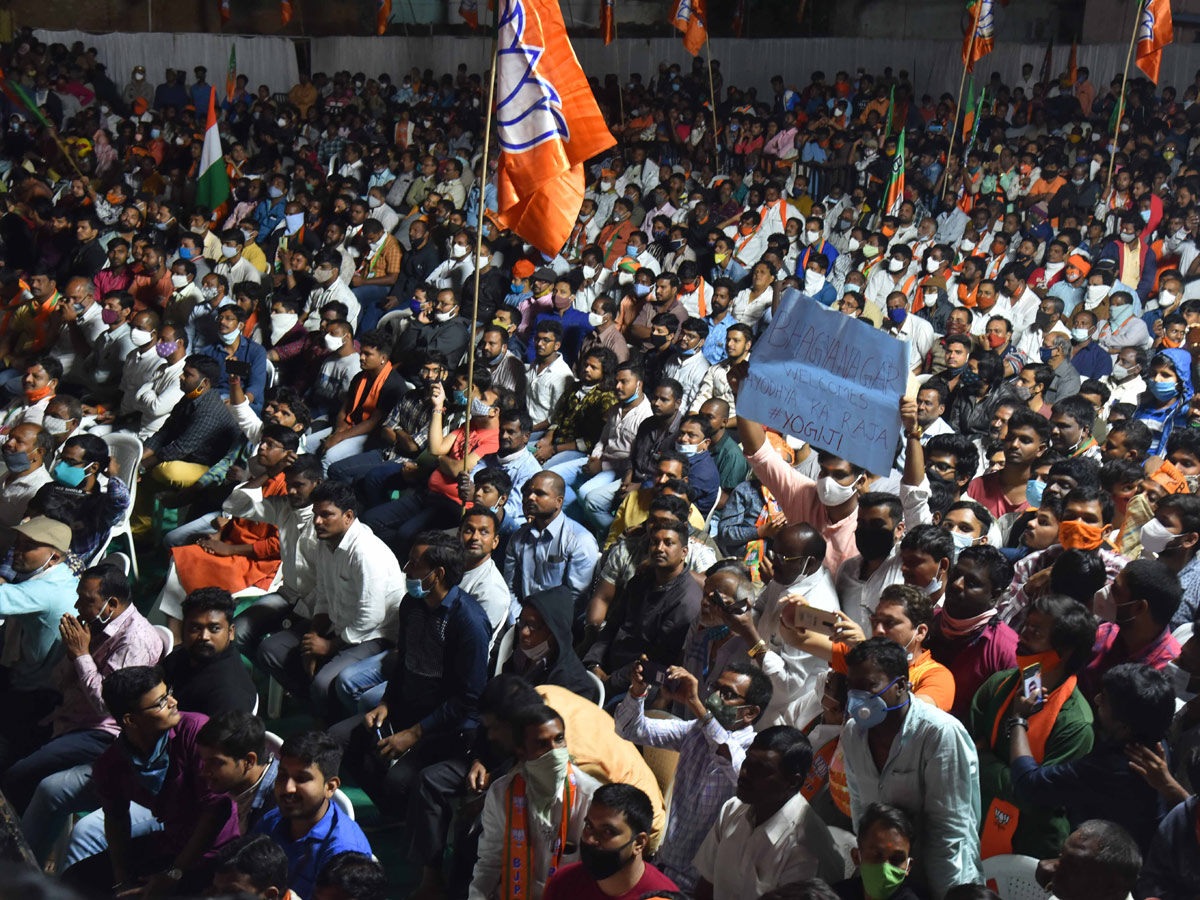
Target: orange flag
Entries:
(469, 11)
(383, 12)
(548, 122)
(691, 18)
(981, 16)
(1072, 66)
(608, 29)
(1154, 32)
(285, 12)
(225, 14)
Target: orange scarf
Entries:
(518, 849)
(372, 398)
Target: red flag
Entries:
(984, 32)
(608, 25)
(225, 12)
(1072, 66)
(285, 11)
(691, 18)
(469, 11)
(1154, 32)
(739, 17)
(548, 122)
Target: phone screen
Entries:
(1031, 681)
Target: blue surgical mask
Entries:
(415, 587)
(1162, 390)
(1033, 492)
(230, 338)
(641, 290)
(687, 449)
(17, 463)
(1145, 214)
(869, 710)
(71, 476)
(898, 314)
(274, 193)
(294, 221)
(1045, 353)
(961, 540)
(458, 398)
(633, 399)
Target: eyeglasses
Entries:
(161, 704)
(777, 558)
(728, 694)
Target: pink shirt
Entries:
(797, 497)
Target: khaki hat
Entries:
(44, 530)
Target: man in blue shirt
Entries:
(693, 441)
(201, 91)
(307, 823)
(718, 321)
(233, 346)
(515, 458)
(575, 323)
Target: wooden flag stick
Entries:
(962, 83)
(1112, 157)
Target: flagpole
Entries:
(712, 95)
(1112, 157)
(620, 77)
(487, 135)
(962, 83)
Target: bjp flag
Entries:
(608, 26)
(469, 11)
(383, 12)
(225, 13)
(980, 12)
(691, 17)
(548, 123)
(1154, 32)
(285, 12)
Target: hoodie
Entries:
(1161, 422)
(563, 668)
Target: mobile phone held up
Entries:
(1031, 683)
(812, 619)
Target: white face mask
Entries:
(931, 298)
(458, 251)
(811, 237)
(1155, 537)
(333, 343)
(1127, 237)
(323, 274)
(444, 316)
(1053, 268)
(966, 246)
(932, 265)
(832, 493)
(589, 272)
(853, 244)
(228, 252)
(54, 424)
(209, 293)
(1094, 167)
(374, 202)
(1095, 295)
(896, 265)
(1166, 299)
(813, 282)
(140, 337)
(595, 319)
(281, 324)
(179, 282)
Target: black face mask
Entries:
(874, 541)
(1042, 321)
(600, 863)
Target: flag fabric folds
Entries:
(469, 11)
(212, 187)
(1154, 31)
(285, 12)
(895, 187)
(1048, 62)
(231, 71)
(608, 24)
(691, 18)
(225, 14)
(739, 18)
(548, 124)
(887, 129)
(973, 128)
(1073, 65)
(383, 12)
(969, 109)
(984, 32)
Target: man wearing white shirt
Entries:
(27, 448)
(547, 377)
(142, 363)
(988, 305)
(768, 835)
(1023, 303)
(154, 399)
(82, 316)
(749, 240)
(482, 578)
(329, 287)
(609, 459)
(354, 603)
(380, 211)
(902, 324)
(898, 275)
(233, 265)
(452, 272)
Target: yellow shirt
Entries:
(635, 509)
(252, 253)
(598, 750)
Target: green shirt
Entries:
(731, 462)
(1040, 830)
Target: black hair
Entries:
(1120, 471)
(505, 694)
(314, 748)
(525, 717)
(286, 437)
(210, 599)
(306, 465)
(1185, 439)
(702, 422)
(932, 540)
(257, 857)
(939, 387)
(1073, 632)
(50, 365)
(338, 493)
(631, 802)
(236, 733)
(1078, 574)
(1024, 417)
(671, 384)
(978, 510)
(549, 326)
(1187, 507)
(1083, 471)
(1114, 850)
(892, 818)
(790, 743)
(1000, 570)
(357, 875)
(760, 691)
(889, 656)
(445, 552)
(1153, 581)
(1077, 408)
(113, 581)
(378, 338)
(917, 605)
(1137, 436)
(881, 498)
(1141, 698)
(124, 689)
(207, 367)
(966, 454)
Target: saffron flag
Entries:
(983, 33)
(1072, 66)
(969, 109)
(212, 187)
(895, 188)
(691, 18)
(469, 11)
(548, 123)
(1048, 62)
(231, 72)
(1154, 32)
(285, 12)
(608, 24)
(739, 17)
(383, 12)
(225, 12)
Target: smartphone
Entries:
(1031, 682)
(813, 619)
(654, 673)
(733, 607)
(237, 367)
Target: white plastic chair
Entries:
(1013, 877)
(272, 375)
(342, 802)
(599, 685)
(274, 743)
(168, 639)
(508, 643)
(126, 449)
(392, 315)
(119, 559)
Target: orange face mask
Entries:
(1076, 535)
(1167, 342)
(746, 229)
(888, 231)
(37, 395)
(995, 340)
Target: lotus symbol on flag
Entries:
(528, 108)
(1146, 25)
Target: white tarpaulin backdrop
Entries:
(935, 66)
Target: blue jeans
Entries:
(352, 468)
(370, 298)
(360, 686)
(87, 839)
(596, 497)
(398, 521)
(341, 450)
(187, 534)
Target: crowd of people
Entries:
(576, 627)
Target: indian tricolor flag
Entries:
(895, 187)
(212, 188)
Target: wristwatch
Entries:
(174, 873)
